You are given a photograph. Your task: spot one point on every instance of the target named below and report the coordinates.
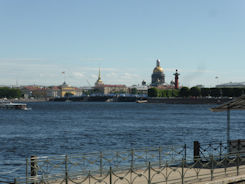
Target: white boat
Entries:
(10, 105)
(141, 101)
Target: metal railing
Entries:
(169, 164)
(182, 171)
(215, 148)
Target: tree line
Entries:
(6, 92)
(196, 92)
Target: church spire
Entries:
(99, 81)
(99, 78)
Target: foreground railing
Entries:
(132, 165)
(179, 171)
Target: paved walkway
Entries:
(170, 175)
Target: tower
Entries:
(176, 80)
(157, 77)
(99, 81)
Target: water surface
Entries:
(52, 128)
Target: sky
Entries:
(203, 39)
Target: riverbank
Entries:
(175, 100)
(188, 100)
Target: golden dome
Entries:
(158, 69)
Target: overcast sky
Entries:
(41, 39)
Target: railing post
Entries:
(228, 128)
(15, 181)
(183, 171)
(185, 151)
(237, 163)
(132, 158)
(33, 168)
(212, 167)
(110, 175)
(27, 164)
(238, 145)
(131, 176)
(89, 177)
(149, 173)
(196, 150)
(101, 163)
(225, 164)
(117, 156)
(66, 169)
(160, 157)
(220, 151)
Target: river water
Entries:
(52, 128)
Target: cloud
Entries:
(30, 71)
(77, 74)
(92, 59)
(93, 76)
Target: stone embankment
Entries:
(188, 100)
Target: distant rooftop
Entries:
(114, 85)
(231, 85)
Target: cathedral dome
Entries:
(158, 77)
(158, 69)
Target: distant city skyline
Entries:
(39, 40)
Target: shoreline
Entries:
(163, 100)
(188, 100)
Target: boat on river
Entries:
(11, 105)
(141, 101)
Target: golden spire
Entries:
(99, 78)
(99, 81)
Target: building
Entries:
(33, 91)
(232, 85)
(140, 90)
(157, 77)
(102, 88)
(53, 92)
(66, 90)
(63, 90)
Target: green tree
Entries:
(15, 93)
(10, 92)
(175, 92)
(215, 92)
(228, 92)
(162, 93)
(134, 91)
(205, 92)
(169, 92)
(184, 92)
(195, 91)
(3, 92)
(237, 92)
(152, 92)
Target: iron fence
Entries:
(219, 148)
(100, 162)
(171, 164)
(216, 148)
(182, 171)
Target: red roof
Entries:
(112, 85)
(32, 88)
(55, 88)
